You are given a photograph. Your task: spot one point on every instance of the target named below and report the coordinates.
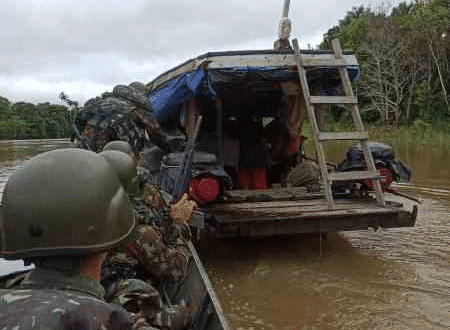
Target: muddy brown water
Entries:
(391, 279)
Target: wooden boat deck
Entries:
(295, 210)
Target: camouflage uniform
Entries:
(125, 114)
(156, 251)
(158, 243)
(140, 297)
(47, 299)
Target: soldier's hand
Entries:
(183, 209)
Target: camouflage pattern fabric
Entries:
(304, 174)
(140, 87)
(131, 94)
(124, 114)
(140, 297)
(163, 260)
(157, 250)
(46, 299)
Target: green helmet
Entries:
(63, 202)
(119, 145)
(131, 187)
(123, 165)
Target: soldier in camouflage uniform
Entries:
(62, 211)
(124, 114)
(156, 250)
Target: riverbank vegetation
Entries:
(24, 120)
(403, 89)
(404, 57)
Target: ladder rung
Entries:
(356, 135)
(333, 100)
(308, 61)
(352, 175)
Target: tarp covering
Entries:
(168, 99)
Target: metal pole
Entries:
(286, 8)
(219, 130)
(320, 244)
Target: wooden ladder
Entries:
(321, 137)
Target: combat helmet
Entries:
(63, 202)
(119, 145)
(123, 165)
(118, 163)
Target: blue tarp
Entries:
(166, 101)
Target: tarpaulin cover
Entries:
(168, 99)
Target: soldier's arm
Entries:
(169, 263)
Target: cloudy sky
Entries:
(85, 48)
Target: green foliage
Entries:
(433, 133)
(23, 120)
(409, 75)
(351, 31)
(403, 10)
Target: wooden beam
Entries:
(353, 175)
(333, 100)
(356, 135)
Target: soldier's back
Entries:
(55, 309)
(47, 306)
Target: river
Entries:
(391, 279)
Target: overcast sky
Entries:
(85, 48)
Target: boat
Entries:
(232, 91)
(254, 105)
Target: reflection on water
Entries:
(13, 153)
(392, 279)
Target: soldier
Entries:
(156, 251)
(62, 211)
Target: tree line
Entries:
(404, 58)
(23, 120)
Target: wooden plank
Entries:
(262, 58)
(278, 60)
(292, 224)
(333, 100)
(299, 215)
(280, 194)
(311, 205)
(353, 175)
(269, 213)
(322, 61)
(356, 135)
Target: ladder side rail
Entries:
(346, 83)
(312, 116)
(305, 88)
(336, 46)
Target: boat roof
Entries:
(267, 59)
(211, 74)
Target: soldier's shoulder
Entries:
(59, 309)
